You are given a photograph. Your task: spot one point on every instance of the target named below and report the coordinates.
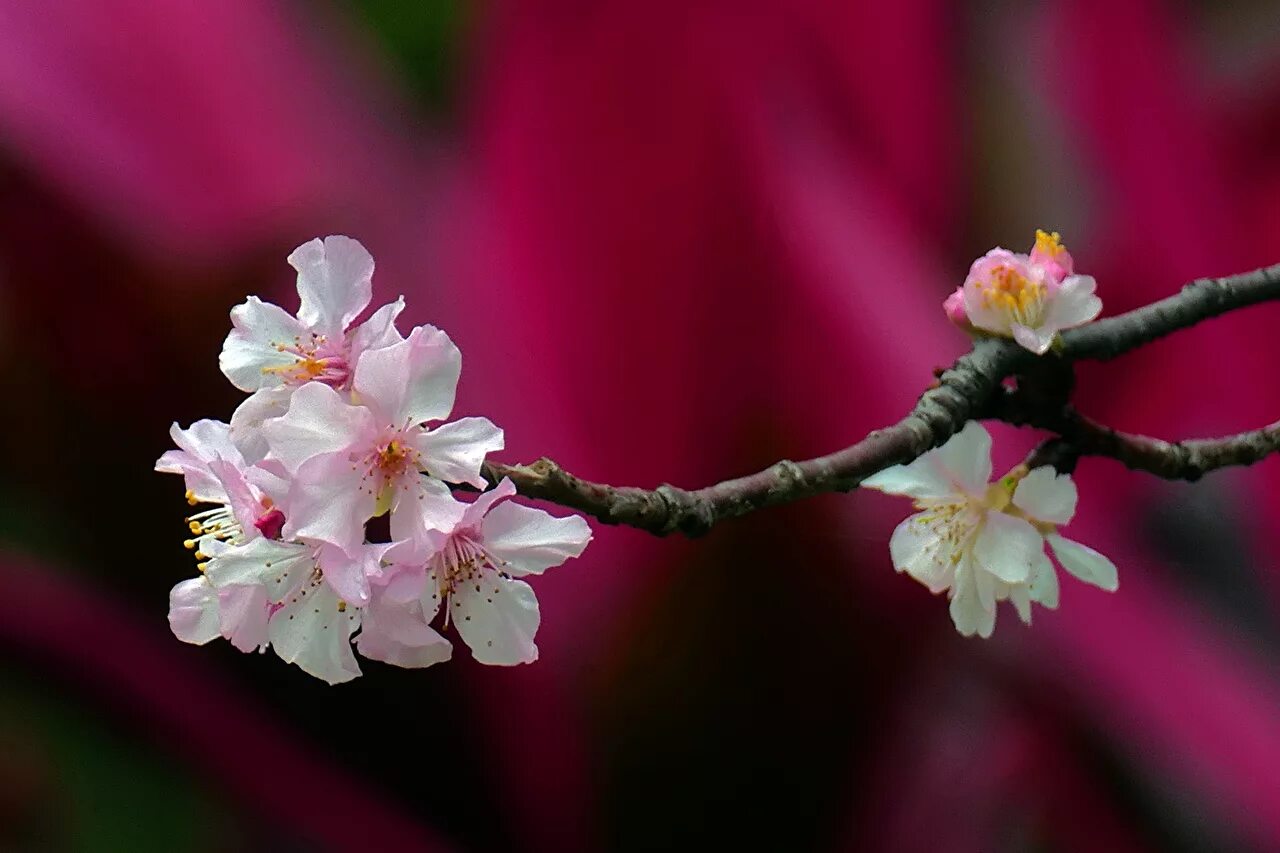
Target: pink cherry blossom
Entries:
(351, 462)
(1030, 298)
(270, 352)
(471, 566)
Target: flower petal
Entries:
(346, 575)
(1006, 547)
(429, 506)
(917, 550)
(251, 353)
(335, 282)
(1046, 495)
(455, 451)
(1044, 582)
(1020, 595)
(498, 622)
(193, 611)
(251, 414)
(397, 633)
(967, 612)
(529, 541)
(318, 422)
(1038, 340)
(378, 331)
(1085, 563)
(312, 632)
(278, 567)
(242, 616)
(965, 459)
(479, 508)
(1075, 303)
(327, 503)
(920, 479)
(411, 381)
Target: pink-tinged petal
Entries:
(346, 575)
(1085, 563)
(193, 611)
(965, 459)
(920, 479)
(242, 616)
(403, 583)
(245, 504)
(1044, 582)
(499, 621)
(278, 567)
(1007, 547)
(311, 631)
(335, 283)
(1038, 340)
(397, 633)
(479, 508)
(318, 423)
(1046, 495)
(247, 420)
(981, 313)
(378, 331)
(915, 548)
(530, 541)
(953, 307)
(1075, 303)
(250, 355)
(429, 505)
(328, 502)
(454, 452)
(199, 445)
(412, 381)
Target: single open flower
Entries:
(472, 567)
(1030, 298)
(983, 542)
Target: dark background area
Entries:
(676, 241)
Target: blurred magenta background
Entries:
(676, 241)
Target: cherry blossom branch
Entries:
(971, 388)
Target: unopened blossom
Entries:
(269, 352)
(471, 567)
(983, 542)
(1030, 298)
(348, 463)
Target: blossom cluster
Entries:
(981, 542)
(1030, 298)
(346, 422)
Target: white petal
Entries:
(312, 632)
(1046, 495)
(1007, 547)
(318, 422)
(1085, 563)
(250, 415)
(411, 381)
(529, 541)
(455, 451)
(378, 331)
(1044, 583)
(1020, 595)
(335, 282)
(1037, 339)
(1075, 303)
(276, 566)
(498, 622)
(242, 616)
(920, 479)
(479, 508)
(967, 612)
(917, 550)
(250, 353)
(346, 575)
(193, 611)
(430, 506)
(965, 459)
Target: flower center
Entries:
(315, 360)
(954, 521)
(461, 563)
(1005, 288)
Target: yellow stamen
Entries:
(202, 567)
(191, 498)
(189, 544)
(1049, 243)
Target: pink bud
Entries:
(270, 524)
(954, 307)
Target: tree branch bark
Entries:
(971, 388)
